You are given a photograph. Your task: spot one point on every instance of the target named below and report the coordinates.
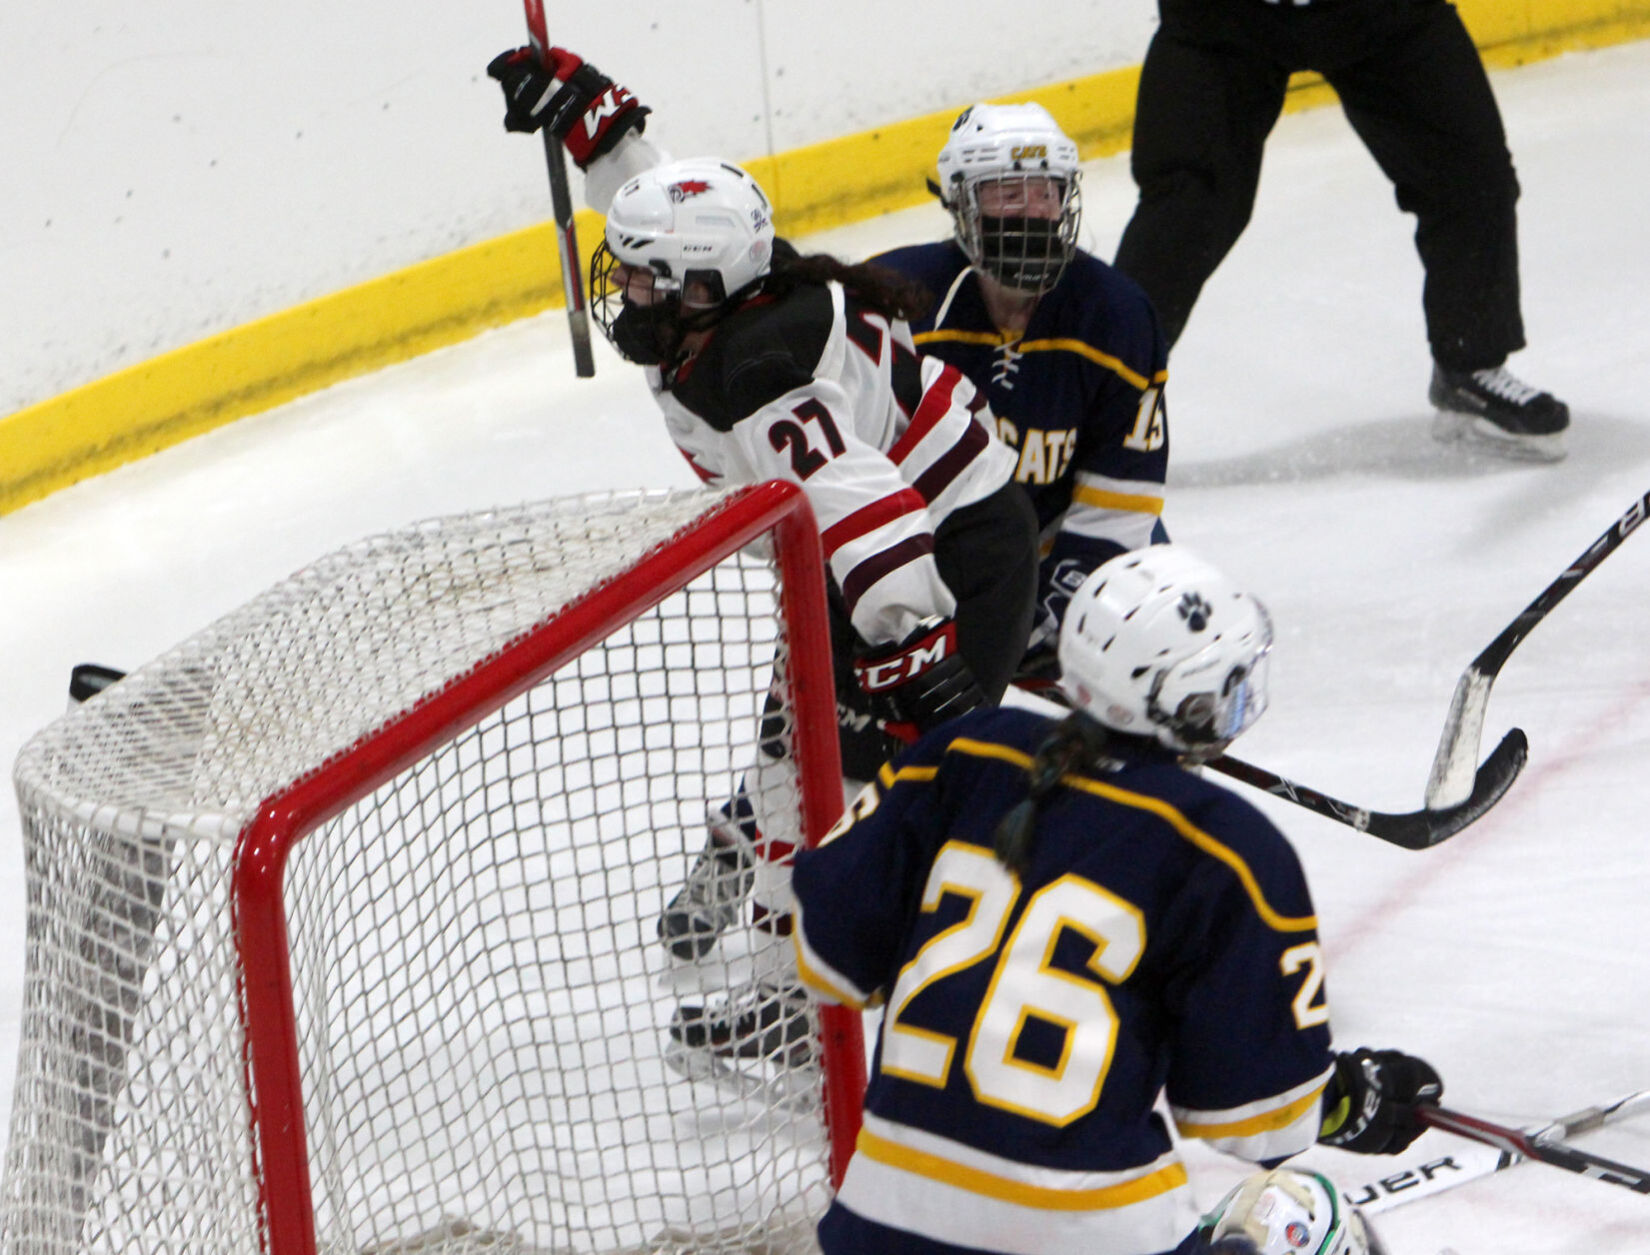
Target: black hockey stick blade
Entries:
(1464, 725)
(1533, 1146)
(1412, 830)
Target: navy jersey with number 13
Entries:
(1079, 396)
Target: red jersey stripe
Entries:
(867, 519)
(936, 404)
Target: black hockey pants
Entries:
(1414, 89)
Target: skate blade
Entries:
(1479, 433)
(790, 1089)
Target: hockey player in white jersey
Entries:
(767, 364)
(1070, 928)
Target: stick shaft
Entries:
(1451, 778)
(1549, 1151)
(1490, 661)
(561, 208)
(1412, 830)
(1414, 1177)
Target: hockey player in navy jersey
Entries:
(1066, 349)
(765, 365)
(1069, 925)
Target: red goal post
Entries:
(441, 1000)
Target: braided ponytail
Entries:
(1077, 742)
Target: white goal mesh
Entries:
(508, 728)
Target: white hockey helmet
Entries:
(702, 228)
(1013, 147)
(1287, 1212)
(1158, 643)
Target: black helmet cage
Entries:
(673, 311)
(1023, 253)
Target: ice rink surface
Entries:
(1516, 957)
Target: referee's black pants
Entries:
(1414, 89)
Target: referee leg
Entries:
(1424, 108)
(1204, 110)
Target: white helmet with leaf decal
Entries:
(683, 240)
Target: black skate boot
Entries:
(766, 1022)
(714, 895)
(1497, 409)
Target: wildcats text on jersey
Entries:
(1078, 396)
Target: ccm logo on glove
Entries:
(878, 674)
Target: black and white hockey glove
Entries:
(583, 108)
(1041, 665)
(920, 682)
(1369, 1107)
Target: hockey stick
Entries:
(1451, 780)
(561, 206)
(1422, 1177)
(1413, 830)
(1540, 1146)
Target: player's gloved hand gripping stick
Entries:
(554, 91)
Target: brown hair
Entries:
(886, 291)
(1076, 744)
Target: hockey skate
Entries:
(712, 899)
(756, 1041)
(1496, 409)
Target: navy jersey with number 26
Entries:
(1161, 942)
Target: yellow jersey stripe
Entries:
(962, 337)
(1103, 500)
(990, 1185)
(1113, 364)
(887, 777)
(1266, 1122)
(1059, 344)
(824, 988)
(1157, 806)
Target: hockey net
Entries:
(341, 915)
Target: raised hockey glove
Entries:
(583, 108)
(1369, 1107)
(920, 682)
